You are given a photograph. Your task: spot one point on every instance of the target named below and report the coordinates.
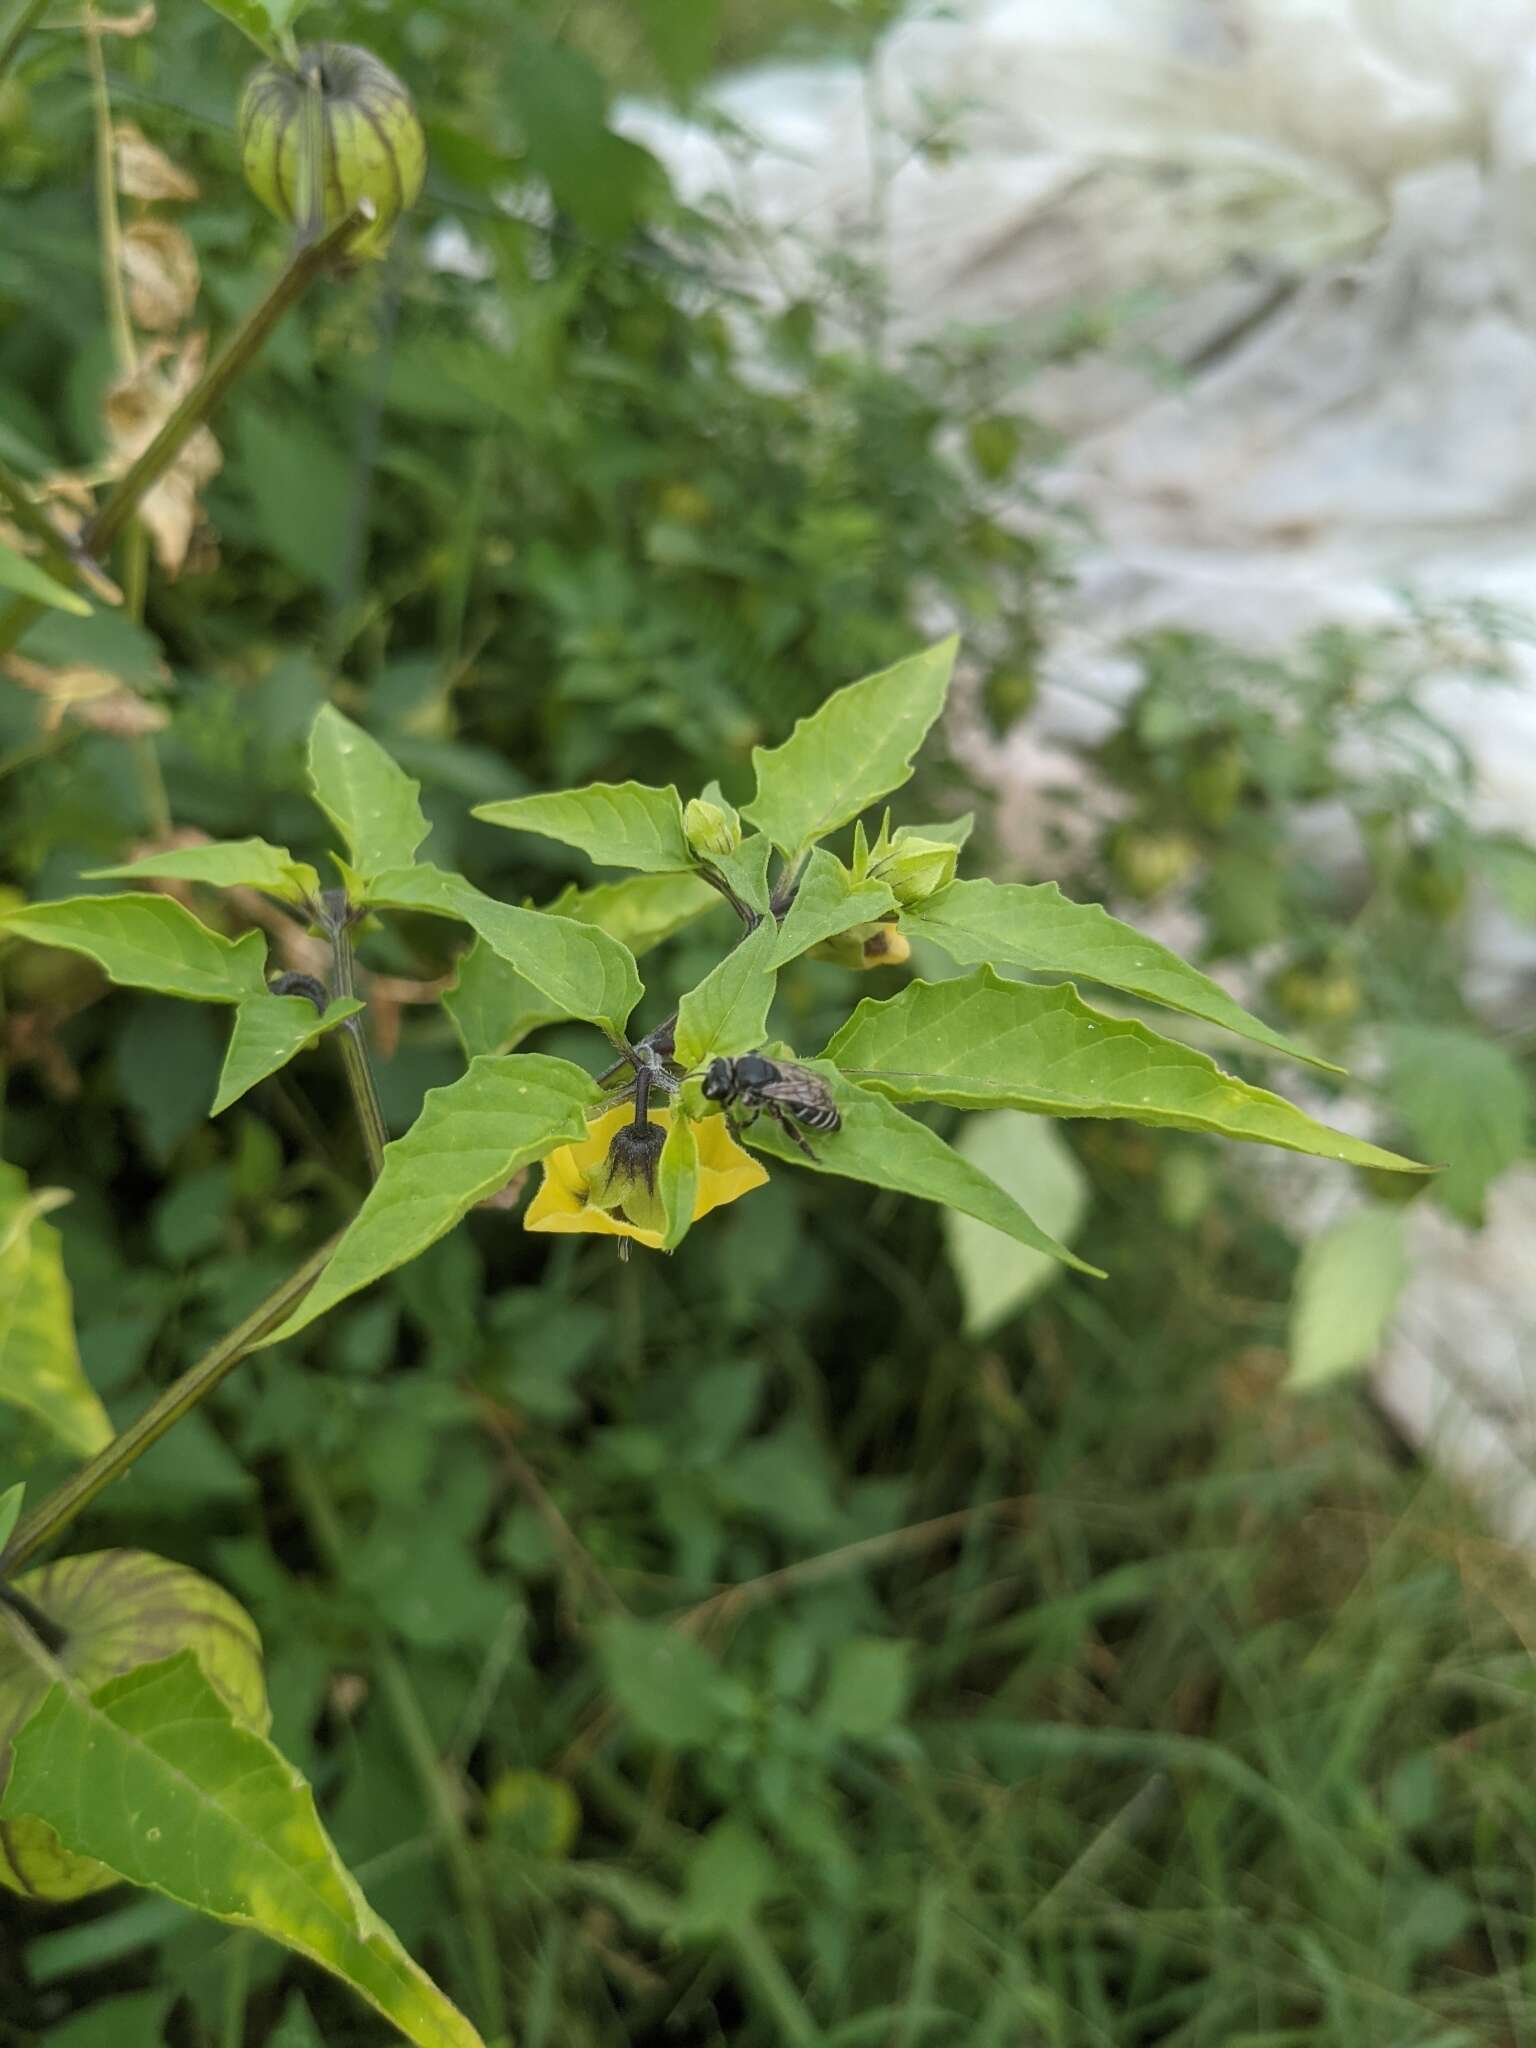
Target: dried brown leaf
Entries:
(145, 172)
(90, 696)
(160, 271)
(136, 408)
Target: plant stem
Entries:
(415, 1733)
(26, 18)
(354, 1048)
(231, 364)
(108, 224)
(66, 1501)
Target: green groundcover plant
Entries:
(134, 1711)
(140, 1752)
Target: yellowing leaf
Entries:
(153, 1777)
(148, 942)
(40, 1369)
(855, 749)
(618, 825)
(469, 1140)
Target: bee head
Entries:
(719, 1083)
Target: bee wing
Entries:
(794, 1084)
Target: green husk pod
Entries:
(116, 1610)
(341, 128)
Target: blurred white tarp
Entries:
(1321, 214)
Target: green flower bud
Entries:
(371, 144)
(915, 868)
(712, 829)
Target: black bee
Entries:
(791, 1095)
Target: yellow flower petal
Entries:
(573, 1174)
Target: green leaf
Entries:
(229, 864)
(868, 1686)
(262, 20)
(469, 1140)
(880, 1145)
(148, 942)
(980, 1042)
(682, 40)
(1510, 868)
(828, 901)
(1028, 1159)
(27, 580)
(40, 1369)
(616, 824)
(269, 1031)
(582, 971)
(641, 911)
(1465, 1103)
(728, 1012)
(155, 1778)
(671, 1690)
(1347, 1285)
(747, 870)
(948, 831)
(1033, 926)
(729, 1875)
(677, 1181)
(492, 1007)
(10, 1508)
(367, 796)
(857, 748)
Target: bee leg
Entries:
(790, 1131)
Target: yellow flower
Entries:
(576, 1178)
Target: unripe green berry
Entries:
(371, 145)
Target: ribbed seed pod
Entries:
(341, 128)
(118, 1609)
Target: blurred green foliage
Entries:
(810, 1674)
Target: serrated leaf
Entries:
(616, 824)
(366, 795)
(582, 971)
(855, 749)
(1465, 1102)
(1348, 1283)
(677, 1181)
(492, 1007)
(1028, 1159)
(828, 901)
(227, 864)
(10, 1510)
(269, 1031)
(641, 911)
(153, 1777)
(882, 1146)
(980, 1042)
(28, 580)
(469, 1140)
(148, 942)
(40, 1369)
(728, 1012)
(1033, 926)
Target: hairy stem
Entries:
(415, 1733)
(67, 1501)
